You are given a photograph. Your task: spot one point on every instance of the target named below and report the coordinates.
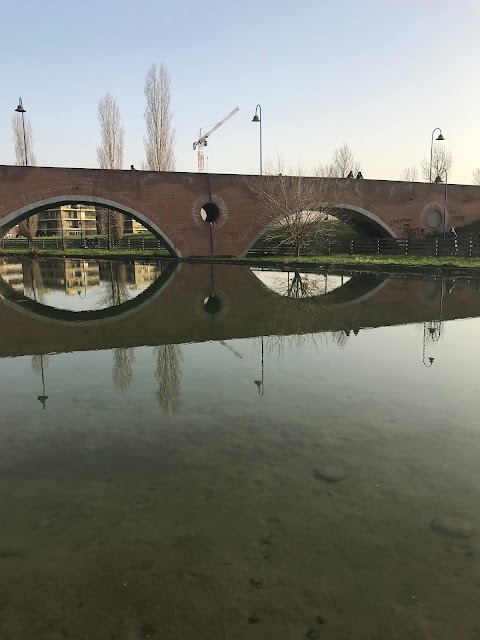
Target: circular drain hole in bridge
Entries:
(212, 304)
(210, 212)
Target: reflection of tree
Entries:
(301, 286)
(168, 374)
(33, 280)
(116, 284)
(276, 345)
(39, 362)
(123, 361)
(340, 338)
(116, 292)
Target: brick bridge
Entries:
(170, 204)
(173, 311)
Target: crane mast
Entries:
(201, 141)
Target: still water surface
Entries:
(211, 452)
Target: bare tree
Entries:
(476, 177)
(442, 162)
(110, 151)
(28, 227)
(110, 156)
(410, 174)
(343, 163)
(159, 139)
(299, 204)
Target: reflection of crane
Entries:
(202, 140)
(235, 353)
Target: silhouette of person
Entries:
(359, 176)
(350, 175)
(132, 168)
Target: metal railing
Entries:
(465, 246)
(87, 242)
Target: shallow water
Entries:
(160, 465)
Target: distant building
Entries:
(133, 226)
(78, 220)
(68, 220)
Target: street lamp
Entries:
(258, 118)
(440, 137)
(21, 110)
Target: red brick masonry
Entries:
(170, 203)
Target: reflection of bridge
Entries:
(171, 203)
(205, 302)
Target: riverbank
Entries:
(446, 265)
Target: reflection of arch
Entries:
(28, 210)
(27, 306)
(360, 219)
(359, 288)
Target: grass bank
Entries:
(396, 263)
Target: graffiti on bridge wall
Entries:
(403, 228)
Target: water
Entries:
(162, 445)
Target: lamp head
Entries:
(255, 118)
(20, 108)
(440, 137)
(431, 360)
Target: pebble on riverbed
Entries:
(330, 473)
(450, 526)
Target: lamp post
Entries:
(21, 110)
(440, 137)
(258, 118)
(445, 197)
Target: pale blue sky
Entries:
(378, 74)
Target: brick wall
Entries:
(171, 203)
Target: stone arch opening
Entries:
(362, 221)
(23, 213)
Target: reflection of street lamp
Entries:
(260, 383)
(21, 110)
(43, 398)
(258, 118)
(440, 137)
(429, 361)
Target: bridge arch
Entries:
(360, 219)
(25, 212)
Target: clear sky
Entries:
(378, 74)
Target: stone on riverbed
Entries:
(330, 473)
(450, 526)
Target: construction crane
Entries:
(202, 140)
